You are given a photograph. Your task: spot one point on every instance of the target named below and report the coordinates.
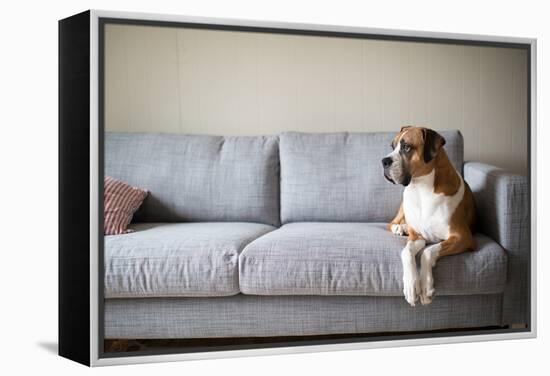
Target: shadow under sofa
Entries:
(285, 235)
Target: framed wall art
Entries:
(236, 187)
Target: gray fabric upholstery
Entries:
(338, 177)
(198, 178)
(357, 259)
(184, 280)
(261, 316)
(502, 201)
(177, 259)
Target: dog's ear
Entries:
(404, 127)
(433, 141)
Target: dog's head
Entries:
(413, 152)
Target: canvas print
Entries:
(265, 188)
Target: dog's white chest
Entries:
(427, 212)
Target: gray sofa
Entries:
(285, 236)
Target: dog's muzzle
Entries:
(386, 163)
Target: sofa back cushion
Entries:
(193, 178)
(337, 177)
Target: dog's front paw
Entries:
(411, 290)
(426, 296)
(400, 230)
(426, 290)
(427, 262)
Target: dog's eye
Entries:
(406, 148)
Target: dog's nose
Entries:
(386, 162)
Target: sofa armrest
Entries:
(502, 205)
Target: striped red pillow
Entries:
(120, 203)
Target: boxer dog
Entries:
(437, 207)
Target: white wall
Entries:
(240, 83)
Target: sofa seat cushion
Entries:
(177, 259)
(357, 259)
